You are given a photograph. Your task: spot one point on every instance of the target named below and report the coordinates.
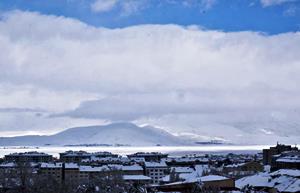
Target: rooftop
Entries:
(136, 177)
(30, 153)
(155, 164)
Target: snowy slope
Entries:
(117, 133)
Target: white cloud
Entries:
(207, 4)
(129, 7)
(103, 5)
(203, 4)
(267, 3)
(125, 7)
(166, 74)
(291, 11)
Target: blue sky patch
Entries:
(271, 17)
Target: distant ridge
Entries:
(112, 134)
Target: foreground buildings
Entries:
(157, 172)
(34, 156)
(278, 149)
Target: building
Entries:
(83, 173)
(88, 172)
(28, 157)
(286, 160)
(211, 183)
(107, 161)
(51, 170)
(278, 149)
(243, 169)
(156, 171)
(70, 171)
(78, 156)
(14, 168)
(285, 180)
(60, 171)
(216, 183)
(186, 161)
(137, 179)
(148, 157)
(132, 170)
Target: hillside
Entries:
(112, 134)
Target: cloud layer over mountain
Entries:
(181, 78)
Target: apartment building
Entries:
(156, 171)
(28, 157)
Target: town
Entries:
(276, 169)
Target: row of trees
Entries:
(24, 179)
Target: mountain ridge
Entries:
(115, 133)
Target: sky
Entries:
(209, 69)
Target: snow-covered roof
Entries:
(71, 166)
(182, 169)
(283, 183)
(59, 165)
(234, 165)
(93, 169)
(30, 153)
(136, 177)
(115, 166)
(212, 178)
(155, 164)
(132, 168)
(257, 180)
(287, 172)
(7, 165)
(165, 178)
(51, 165)
(106, 159)
(137, 159)
(187, 159)
(194, 175)
(143, 154)
(289, 159)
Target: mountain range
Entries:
(112, 134)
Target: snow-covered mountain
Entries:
(116, 133)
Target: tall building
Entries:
(156, 171)
(278, 149)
